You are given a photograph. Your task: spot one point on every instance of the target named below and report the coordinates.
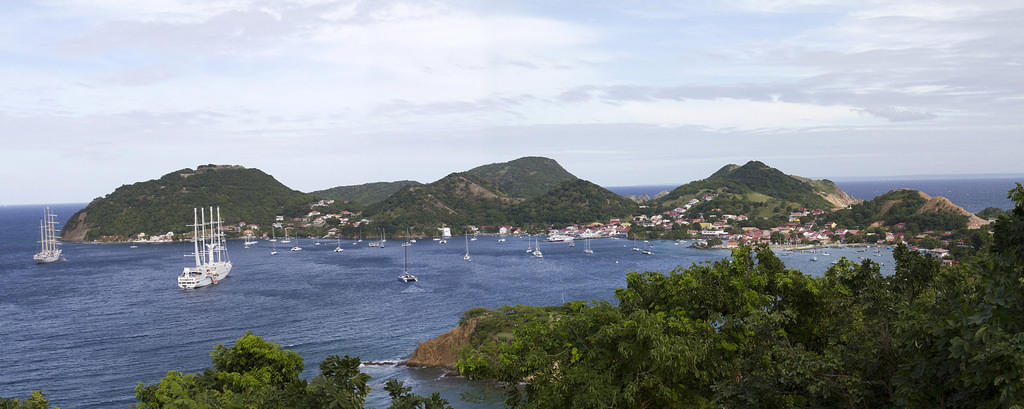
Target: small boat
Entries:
(339, 249)
(814, 258)
(406, 277)
(536, 252)
(133, 246)
(296, 246)
(572, 243)
(646, 252)
(587, 249)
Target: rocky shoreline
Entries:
(442, 351)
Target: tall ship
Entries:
(209, 250)
(48, 252)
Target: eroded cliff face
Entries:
(442, 352)
(80, 230)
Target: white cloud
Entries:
(120, 78)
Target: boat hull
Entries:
(202, 276)
(46, 257)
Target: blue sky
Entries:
(319, 93)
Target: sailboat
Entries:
(209, 250)
(48, 251)
(273, 234)
(529, 249)
(339, 249)
(406, 277)
(466, 257)
(273, 249)
(587, 249)
(408, 240)
(248, 241)
(536, 251)
(296, 246)
(286, 239)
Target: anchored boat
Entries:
(48, 252)
(209, 250)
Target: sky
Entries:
(318, 93)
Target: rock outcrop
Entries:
(942, 204)
(81, 229)
(443, 351)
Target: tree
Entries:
(403, 398)
(37, 401)
(254, 373)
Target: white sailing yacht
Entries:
(587, 249)
(536, 251)
(273, 233)
(339, 249)
(296, 246)
(406, 277)
(466, 257)
(286, 239)
(210, 251)
(48, 251)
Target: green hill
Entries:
(364, 194)
(918, 210)
(162, 205)
(574, 201)
(757, 190)
(525, 177)
(456, 199)
(469, 198)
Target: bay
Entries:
(88, 329)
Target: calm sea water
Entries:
(973, 195)
(87, 330)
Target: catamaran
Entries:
(48, 251)
(406, 277)
(210, 251)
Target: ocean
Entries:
(88, 329)
(973, 195)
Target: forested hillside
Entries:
(364, 194)
(162, 205)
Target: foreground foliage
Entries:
(38, 400)
(748, 332)
(254, 373)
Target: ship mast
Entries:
(195, 234)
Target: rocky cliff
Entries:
(443, 351)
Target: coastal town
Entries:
(804, 229)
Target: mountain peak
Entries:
(524, 177)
